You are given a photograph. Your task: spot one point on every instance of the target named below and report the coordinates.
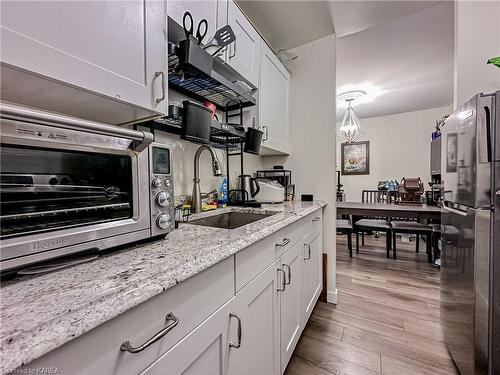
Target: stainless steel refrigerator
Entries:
(470, 223)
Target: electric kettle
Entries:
(249, 185)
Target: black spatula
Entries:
(222, 37)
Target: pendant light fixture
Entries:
(350, 128)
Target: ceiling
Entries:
(288, 24)
(404, 65)
(400, 52)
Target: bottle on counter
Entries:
(222, 193)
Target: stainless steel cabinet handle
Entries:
(266, 133)
(317, 218)
(127, 346)
(162, 97)
(289, 273)
(283, 279)
(231, 345)
(233, 54)
(285, 242)
(308, 251)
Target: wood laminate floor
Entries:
(386, 320)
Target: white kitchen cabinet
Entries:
(116, 49)
(257, 305)
(291, 302)
(268, 289)
(274, 103)
(244, 54)
(214, 11)
(192, 302)
(312, 274)
(204, 351)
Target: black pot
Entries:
(253, 139)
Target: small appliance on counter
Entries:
(247, 187)
(71, 186)
(270, 192)
(281, 176)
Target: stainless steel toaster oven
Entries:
(69, 186)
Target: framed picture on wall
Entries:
(355, 158)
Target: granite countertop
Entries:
(41, 313)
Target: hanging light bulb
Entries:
(350, 128)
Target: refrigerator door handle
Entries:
(488, 133)
(454, 210)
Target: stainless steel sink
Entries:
(230, 220)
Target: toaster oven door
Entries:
(62, 195)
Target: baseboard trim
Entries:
(331, 297)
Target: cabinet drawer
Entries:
(255, 258)
(314, 219)
(98, 351)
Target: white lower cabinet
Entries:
(291, 302)
(312, 275)
(257, 305)
(242, 316)
(204, 351)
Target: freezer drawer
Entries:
(465, 277)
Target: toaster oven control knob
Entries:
(156, 183)
(163, 221)
(163, 199)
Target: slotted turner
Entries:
(222, 37)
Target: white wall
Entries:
(477, 38)
(183, 158)
(312, 149)
(399, 147)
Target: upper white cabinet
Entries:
(244, 54)
(116, 49)
(214, 11)
(274, 103)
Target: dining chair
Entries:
(412, 227)
(369, 224)
(344, 226)
(403, 222)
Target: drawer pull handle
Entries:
(285, 242)
(231, 345)
(162, 97)
(289, 273)
(308, 251)
(127, 346)
(283, 281)
(317, 218)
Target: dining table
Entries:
(401, 210)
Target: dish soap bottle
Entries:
(222, 193)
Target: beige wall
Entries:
(399, 147)
(312, 149)
(477, 38)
